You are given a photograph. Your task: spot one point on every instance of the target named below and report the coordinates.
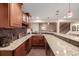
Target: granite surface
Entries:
(15, 43)
(60, 47)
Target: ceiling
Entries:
(45, 10)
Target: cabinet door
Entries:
(33, 40)
(20, 51)
(15, 15)
(28, 47)
(4, 15)
(38, 40)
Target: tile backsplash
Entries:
(12, 34)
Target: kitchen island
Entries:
(60, 47)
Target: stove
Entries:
(4, 41)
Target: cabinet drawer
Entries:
(6, 53)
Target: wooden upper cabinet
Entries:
(24, 21)
(4, 22)
(15, 15)
(10, 15)
(27, 19)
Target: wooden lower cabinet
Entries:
(37, 40)
(6, 53)
(22, 50)
(28, 46)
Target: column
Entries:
(58, 27)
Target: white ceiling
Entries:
(45, 10)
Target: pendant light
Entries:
(57, 14)
(48, 19)
(69, 14)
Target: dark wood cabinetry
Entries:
(28, 46)
(23, 49)
(20, 51)
(26, 20)
(10, 15)
(15, 14)
(37, 40)
(6, 53)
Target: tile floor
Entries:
(37, 52)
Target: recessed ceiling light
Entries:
(38, 20)
(37, 17)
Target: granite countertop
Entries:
(75, 38)
(60, 47)
(15, 43)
